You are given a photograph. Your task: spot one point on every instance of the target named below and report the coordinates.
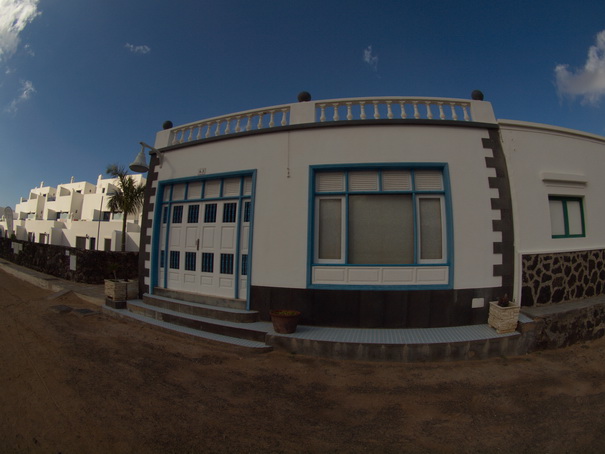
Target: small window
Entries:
(210, 213)
(229, 212)
(226, 263)
(244, 264)
(247, 212)
(175, 257)
(177, 214)
(190, 261)
(207, 262)
(566, 217)
(162, 258)
(165, 215)
(193, 214)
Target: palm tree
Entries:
(127, 199)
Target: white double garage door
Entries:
(208, 244)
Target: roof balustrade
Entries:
(381, 109)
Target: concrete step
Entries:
(403, 345)
(255, 331)
(201, 299)
(202, 310)
(255, 346)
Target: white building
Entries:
(74, 214)
(375, 212)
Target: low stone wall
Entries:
(78, 265)
(579, 322)
(560, 277)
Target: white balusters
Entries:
(376, 112)
(335, 117)
(429, 114)
(284, 115)
(322, 110)
(416, 112)
(349, 113)
(453, 108)
(466, 117)
(345, 109)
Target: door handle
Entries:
(197, 244)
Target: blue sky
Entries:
(82, 82)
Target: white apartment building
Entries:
(74, 214)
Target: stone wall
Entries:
(568, 327)
(91, 267)
(566, 276)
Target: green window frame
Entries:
(567, 217)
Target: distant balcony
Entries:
(341, 111)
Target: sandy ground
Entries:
(94, 384)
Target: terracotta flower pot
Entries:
(285, 321)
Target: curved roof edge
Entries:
(526, 125)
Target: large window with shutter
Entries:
(379, 218)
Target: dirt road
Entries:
(94, 384)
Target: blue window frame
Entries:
(380, 216)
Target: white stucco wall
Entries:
(545, 160)
(282, 161)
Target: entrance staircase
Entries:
(213, 319)
(228, 322)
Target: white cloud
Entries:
(370, 59)
(136, 49)
(27, 90)
(14, 16)
(589, 81)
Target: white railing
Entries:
(393, 108)
(341, 110)
(230, 124)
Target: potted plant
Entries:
(116, 290)
(284, 321)
(503, 315)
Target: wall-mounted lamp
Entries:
(140, 163)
